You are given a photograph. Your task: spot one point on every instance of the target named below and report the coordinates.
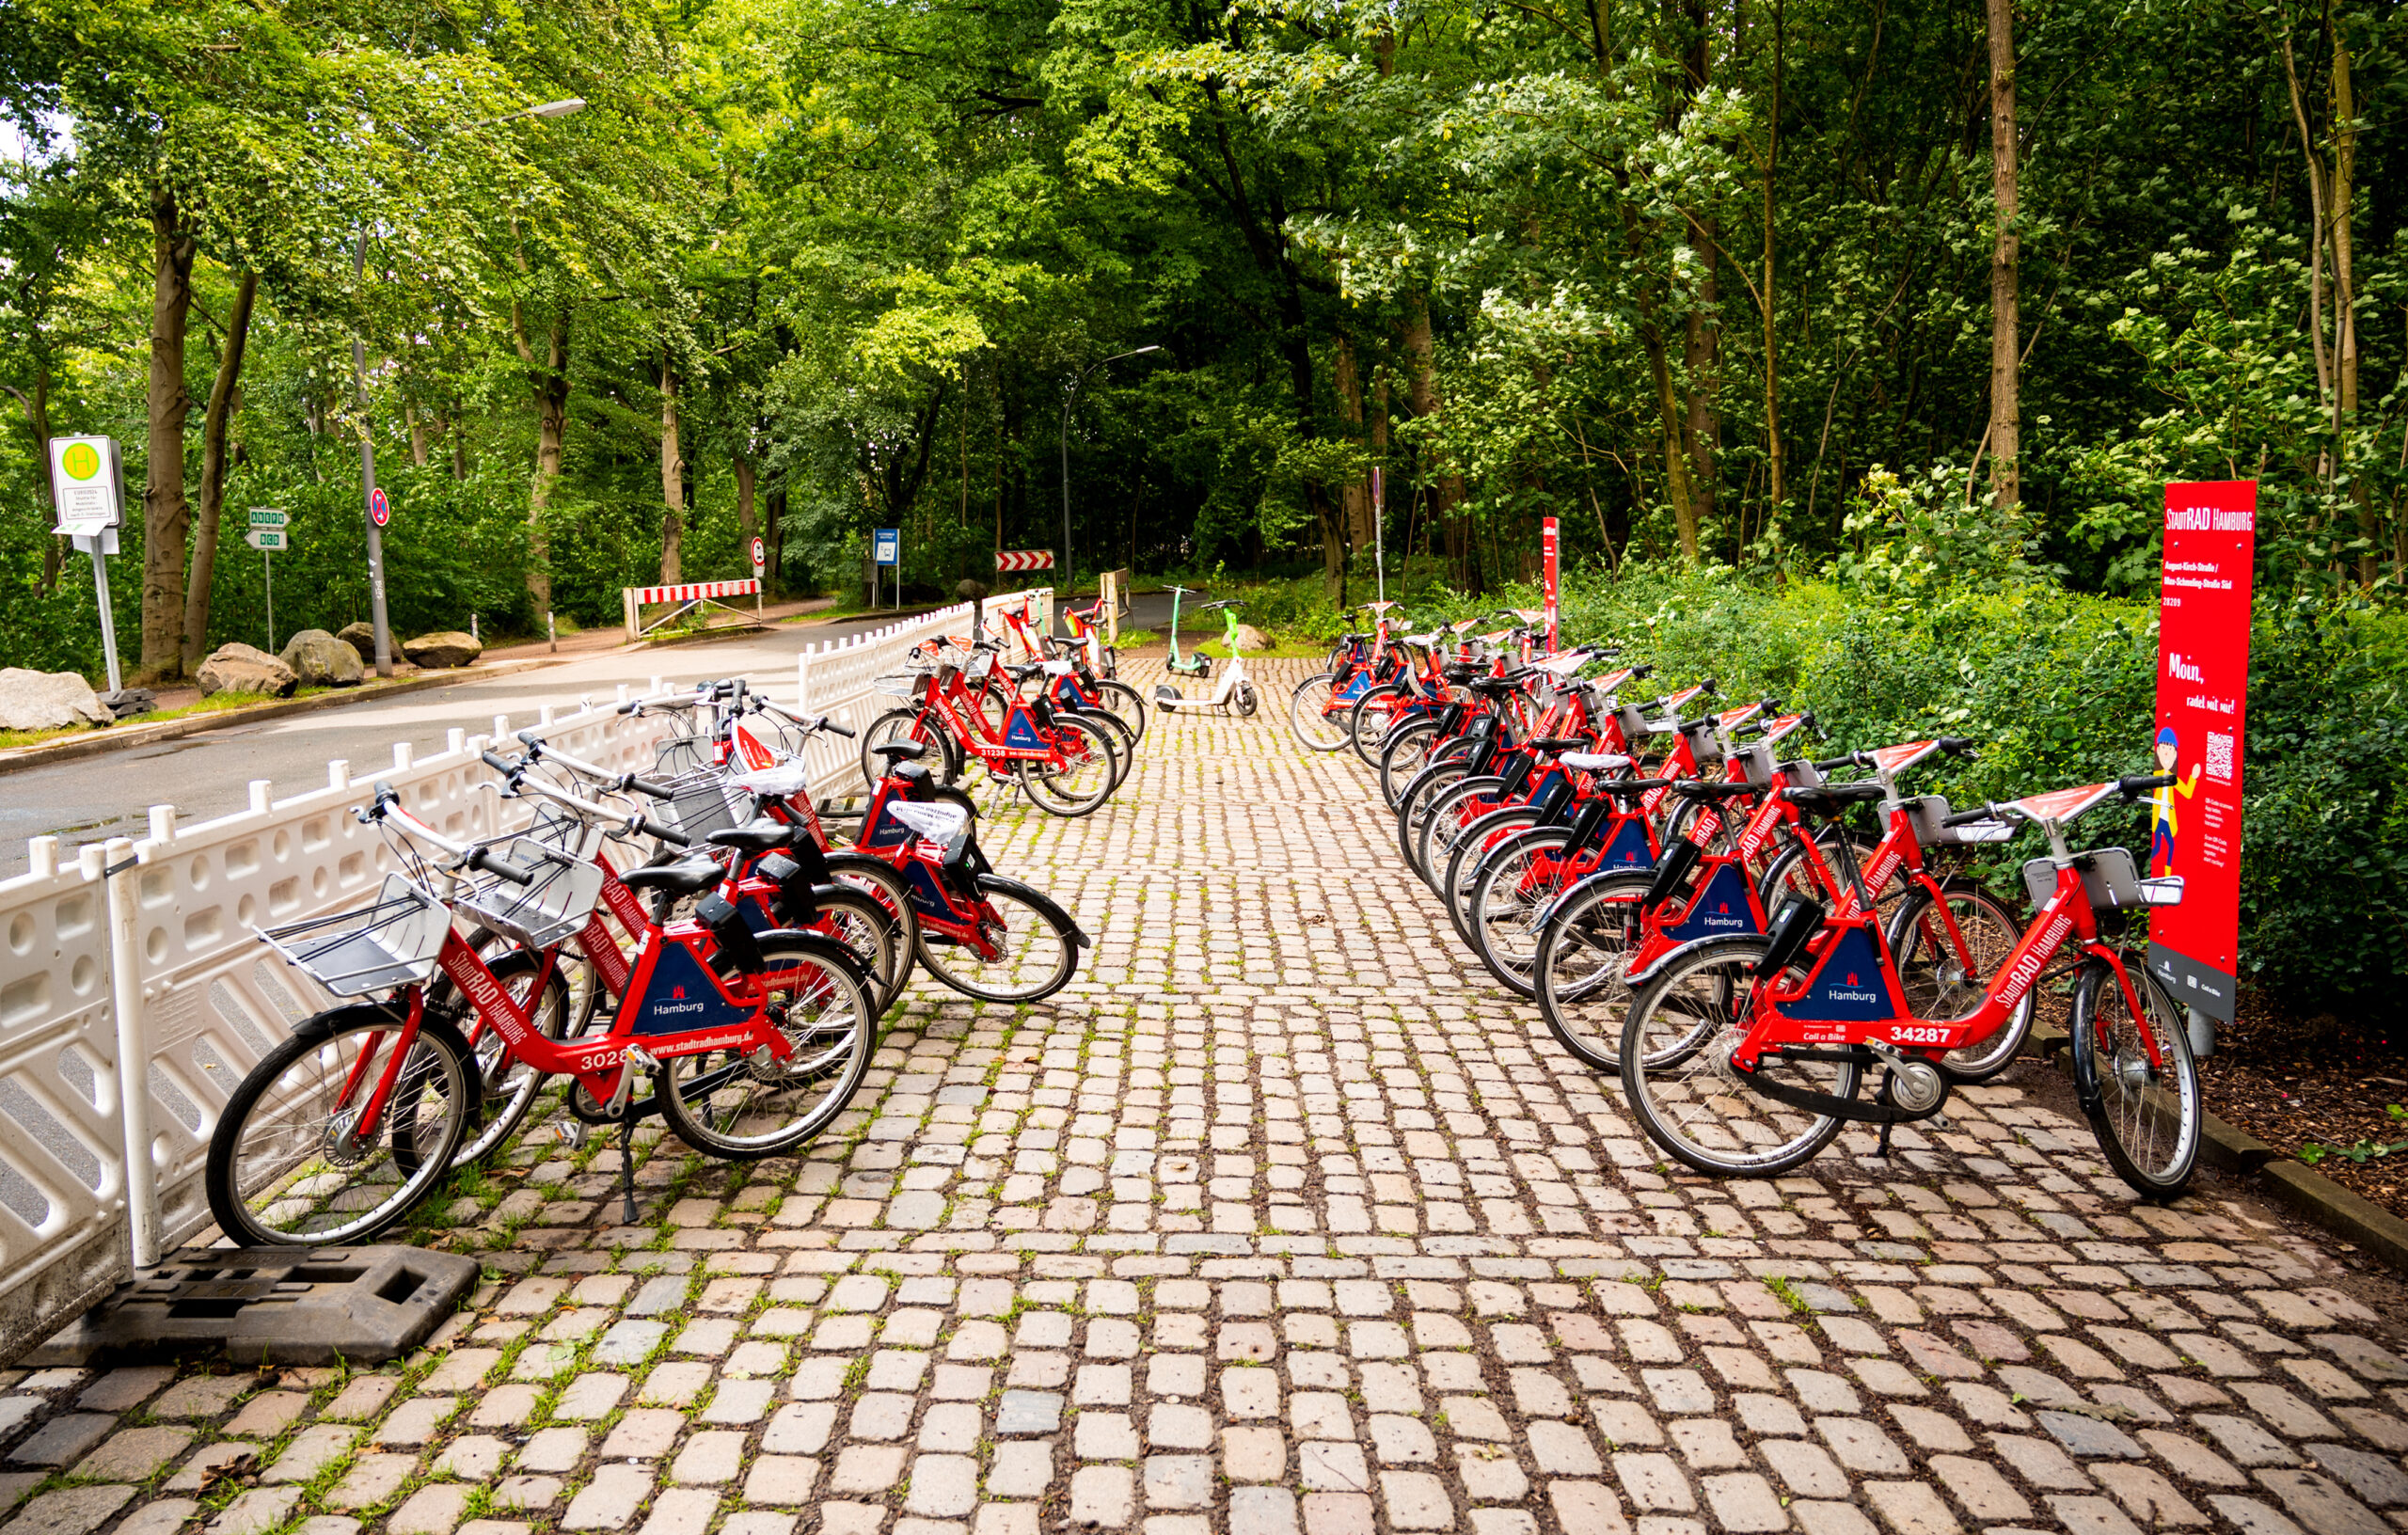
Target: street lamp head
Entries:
(558, 109)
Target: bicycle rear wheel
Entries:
(724, 1105)
(1677, 1075)
(944, 758)
(860, 922)
(1310, 721)
(2147, 1117)
(283, 1169)
(1125, 705)
(1034, 954)
(1090, 771)
(1585, 941)
(1470, 851)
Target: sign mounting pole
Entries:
(1379, 529)
(87, 481)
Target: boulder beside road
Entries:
(321, 661)
(1250, 638)
(238, 668)
(362, 637)
(48, 701)
(450, 648)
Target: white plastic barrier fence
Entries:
(837, 679)
(134, 997)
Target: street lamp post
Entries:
(366, 433)
(1067, 400)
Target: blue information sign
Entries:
(887, 545)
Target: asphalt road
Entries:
(208, 775)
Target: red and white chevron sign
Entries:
(1023, 559)
(696, 591)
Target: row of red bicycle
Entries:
(1699, 906)
(702, 941)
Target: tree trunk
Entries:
(773, 533)
(744, 515)
(38, 418)
(1774, 454)
(1668, 413)
(213, 470)
(166, 514)
(673, 481)
(2006, 430)
(1446, 488)
(1357, 492)
(2345, 316)
(1701, 354)
(417, 433)
(548, 382)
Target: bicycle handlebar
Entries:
(493, 862)
(2133, 787)
(670, 834)
(646, 787)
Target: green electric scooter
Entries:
(1195, 663)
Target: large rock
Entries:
(1250, 638)
(450, 648)
(970, 591)
(238, 668)
(321, 661)
(360, 637)
(48, 701)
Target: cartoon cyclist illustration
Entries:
(2162, 822)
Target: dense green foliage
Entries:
(845, 265)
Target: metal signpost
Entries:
(86, 483)
(268, 535)
(886, 548)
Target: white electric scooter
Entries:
(1233, 694)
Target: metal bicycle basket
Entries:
(705, 801)
(374, 948)
(549, 908)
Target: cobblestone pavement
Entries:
(1280, 1221)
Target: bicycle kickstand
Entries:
(627, 1169)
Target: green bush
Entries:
(2057, 688)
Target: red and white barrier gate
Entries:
(688, 596)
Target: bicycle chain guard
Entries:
(1839, 1108)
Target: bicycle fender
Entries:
(1043, 903)
(825, 948)
(1647, 973)
(2085, 1065)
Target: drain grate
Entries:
(285, 1306)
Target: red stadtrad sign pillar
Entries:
(1550, 545)
(2202, 720)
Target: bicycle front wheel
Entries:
(871, 934)
(730, 1106)
(1124, 703)
(1404, 753)
(1677, 1074)
(285, 1168)
(1585, 940)
(1950, 949)
(943, 757)
(1309, 719)
(2147, 1116)
(1367, 722)
(1023, 949)
(1090, 770)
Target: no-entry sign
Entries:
(2202, 718)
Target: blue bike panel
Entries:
(883, 829)
(1356, 686)
(1629, 850)
(1846, 986)
(1022, 733)
(680, 995)
(1721, 908)
(927, 893)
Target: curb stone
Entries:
(2292, 1184)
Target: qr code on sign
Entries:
(2220, 756)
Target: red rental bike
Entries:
(753, 1043)
(1743, 1056)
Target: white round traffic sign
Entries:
(760, 553)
